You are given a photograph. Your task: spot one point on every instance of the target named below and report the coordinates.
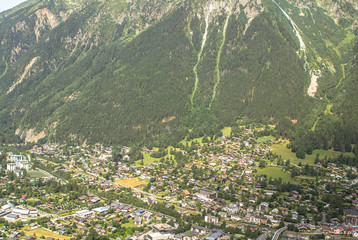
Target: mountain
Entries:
(155, 71)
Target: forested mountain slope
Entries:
(148, 71)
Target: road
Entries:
(278, 232)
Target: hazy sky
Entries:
(7, 4)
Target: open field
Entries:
(226, 131)
(275, 172)
(37, 174)
(265, 138)
(131, 182)
(130, 224)
(147, 159)
(39, 232)
(287, 154)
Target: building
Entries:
(163, 228)
(12, 216)
(101, 210)
(137, 220)
(208, 194)
(21, 212)
(351, 216)
(264, 207)
(14, 158)
(211, 219)
(84, 213)
(11, 167)
(215, 236)
(157, 236)
(17, 162)
(198, 229)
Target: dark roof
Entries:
(351, 211)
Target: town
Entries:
(244, 184)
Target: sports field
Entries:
(131, 182)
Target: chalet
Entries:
(185, 193)
(236, 217)
(94, 200)
(137, 220)
(215, 236)
(263, 207)
(284, 211)
(147, 216)
(255, 219)
(294, 215)
(198, 229)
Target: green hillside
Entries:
(148, 71)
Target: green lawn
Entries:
(130, 224)
(287, 154)
(147, 160)
(349, 154)
(276, 172)
(37, 174)
(226, 131)
(265, 138)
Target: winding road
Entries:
(278, 232)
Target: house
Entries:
(94, 200)
(215, 236)
(137, 220)
(192, 236)
(284, 211)
(255, 219)
(151, 200)
(199, 229)
(294, 215)
(263, 207)
(147, 216)
(236, 217)
(185, 193)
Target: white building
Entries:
(157, 236)
(84, 213)
(11, 167)
(21, 212)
